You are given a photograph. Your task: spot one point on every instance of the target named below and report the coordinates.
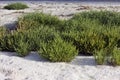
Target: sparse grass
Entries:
(90, 33)
(16, 6)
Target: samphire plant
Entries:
(35, 20)
(15, 6)
(58, 50)
(43, 33)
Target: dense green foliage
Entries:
(103, 17)
(90, 33)
(15, 6)
(58, 50)
(35, 20)
(21, 43)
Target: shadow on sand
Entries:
(84, 60)
(34, 56)
(11, 26)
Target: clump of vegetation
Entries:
(90, 33)
(90, 40)
(16, 6)
(43, 33)
(103, 17)
(58, 50)
(35, 20)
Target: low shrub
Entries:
(16, 6)
(58, 50)
(96, 30)
(84, 35)
(92, 33)
(103, 17)
(43, 33)
(90, 38)
(35, 20)
(88, 43)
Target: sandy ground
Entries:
(60, 9)
(33, 67)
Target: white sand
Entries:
(34, 67)
(62, 10)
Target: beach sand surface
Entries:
(34, 67)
